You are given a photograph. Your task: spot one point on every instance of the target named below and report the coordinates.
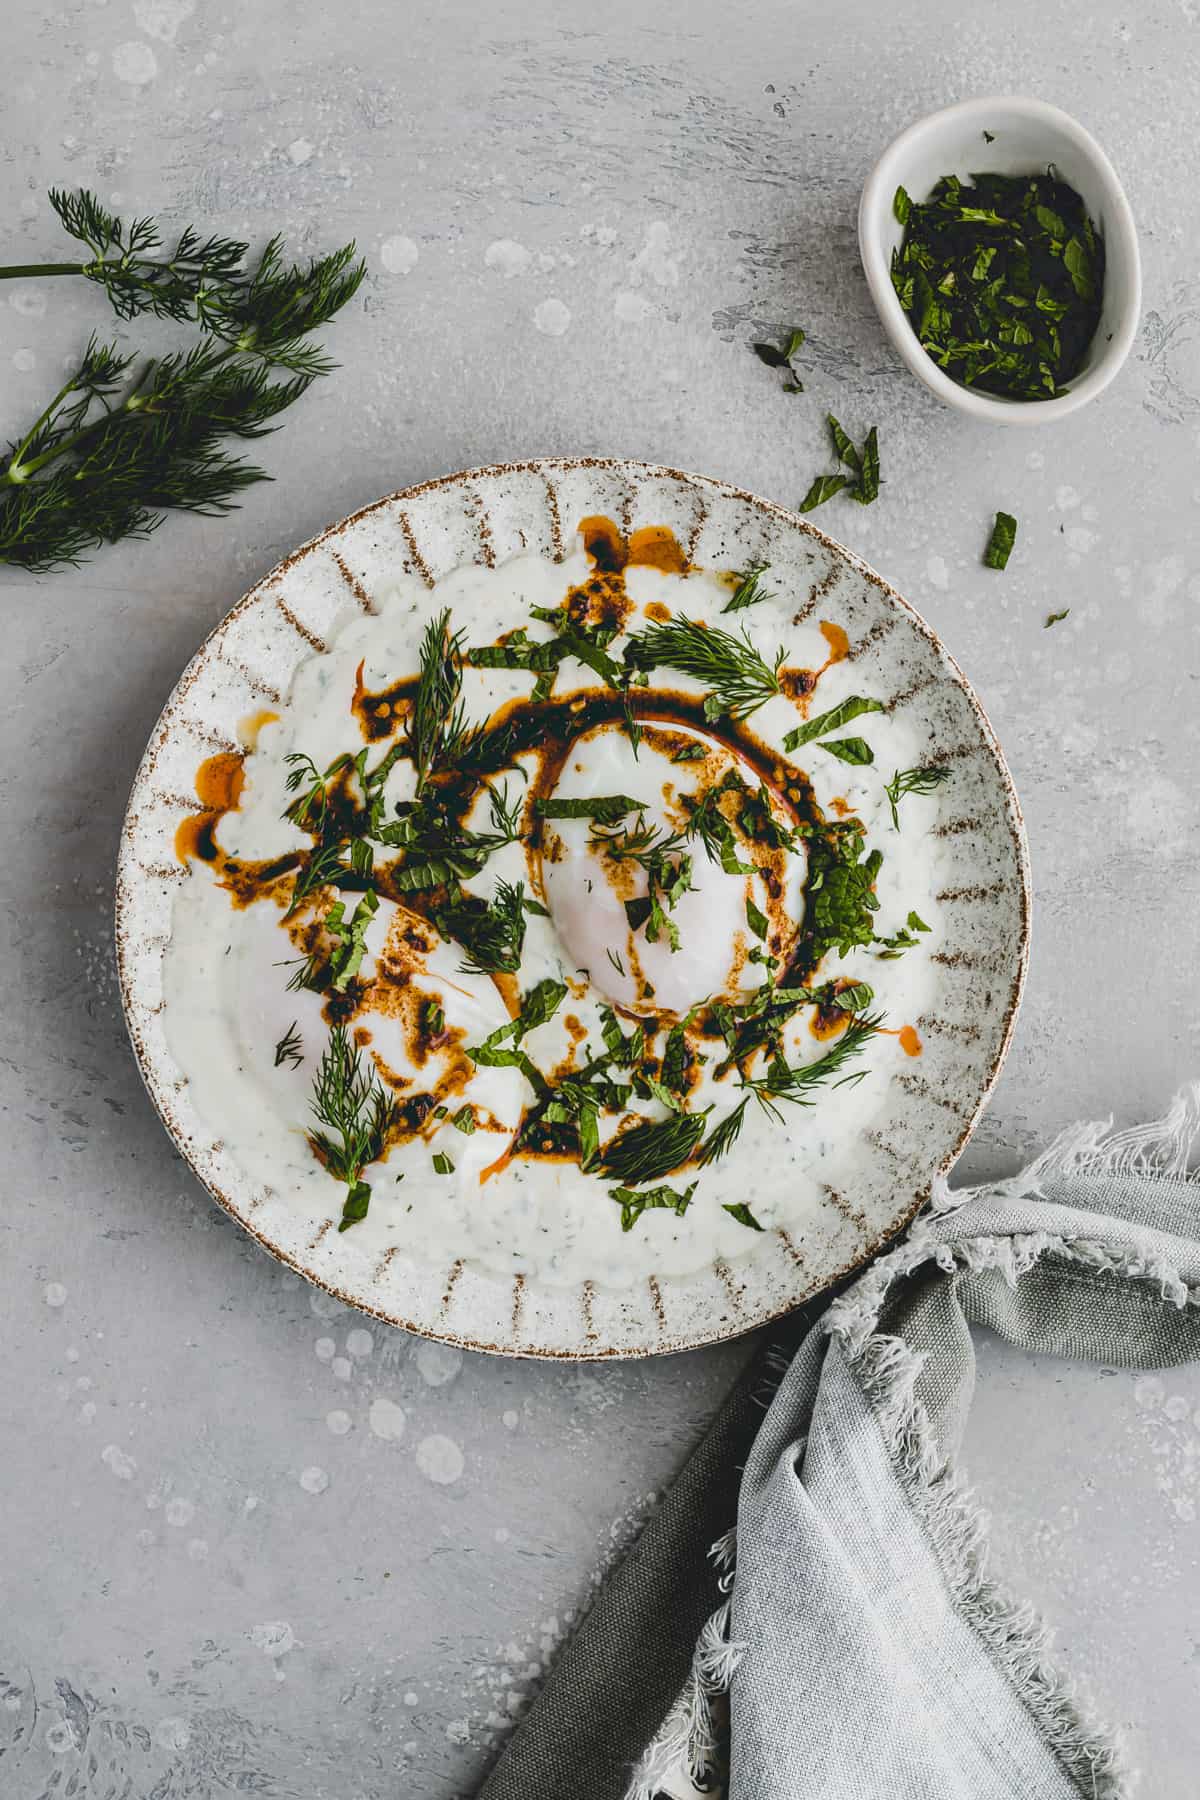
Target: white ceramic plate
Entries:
(487, 515)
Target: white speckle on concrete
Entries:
(359, 1343)
(937, 574)
(511, 1419)
(632, 308)
(325, 1349)
(439, 1459)
(338, 1422)
(314, 1479)
(197, 1549)
(323, 1305)
(342, 1367)
(121, 1464)
(459, 1731)
(398, 255)
(161, 19)
(411, 1699)
(60, 1738)
(653, 261)
(552, 317)
(438, 1363)
(54, 1294)
(507, 257)
(31, 304)
(386, 1419)
(179, 1512)
(274, 1638)
(135, 63)
(87, 1412)
(173, 1733)
(24, 360)
(603, 236)
(299, 151)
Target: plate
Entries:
(930, 1108)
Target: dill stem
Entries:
(25, 271)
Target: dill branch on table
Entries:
(110, 454)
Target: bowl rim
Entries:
(878, 190)
(130, 874)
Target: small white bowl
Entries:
(1026, 136)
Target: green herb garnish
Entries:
(1056, 618)
(442, 1164)
(653, 1148)
(863, 480)
(824, 487)
(913, 781)
(741, 1212)
(794, 1083)
(849, 750)
(723, 1136)
(290, 1047)
(634, 1202)
(464, 1120)
(739, 679)
(902, 940)
(1002, 279)
(851, 708)
(999, 548)
(605, 809)
(492, 932)
(756, 920)
(351, 939)
(357, 1112)
(748, 592)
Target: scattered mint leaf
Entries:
(1004, 536)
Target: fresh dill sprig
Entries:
(357, 1112)
(182, 285)
(438, 850)
(723, 1136)
(432, 715)
(492, 932)
(795, 1082)
(738, 678)
(913, 781)
(653, 1148)
(290, 1048)
(748, 591)
(105, 461)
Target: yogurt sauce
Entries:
(228, 1004)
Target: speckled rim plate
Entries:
(487, 515)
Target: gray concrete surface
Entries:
(217, 1575)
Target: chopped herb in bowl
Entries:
(1002, 278)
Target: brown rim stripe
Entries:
(656, 1301)
(456, 1269)
(969, 896)
(882, 628)
(354, 584)
(817, 593)
(963, 959)
(967, 1034)
(796, 1255)
(921, 686)
(958, 752)
(252, 681)
(881, 1143)
(216, 740)
(698, 523)
(518, 1303)
(385, 1262)
(956, 827)
(854, 1214)
(586, 1294)
(483, 527)
(298, 626)
(556, 532)
(323, 1232)
(171, 872)
(724, 1273)
(915, 1084)
(179, 802)
(414, 553)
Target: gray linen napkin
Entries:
(862, 1648)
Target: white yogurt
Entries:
(228, 1002)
